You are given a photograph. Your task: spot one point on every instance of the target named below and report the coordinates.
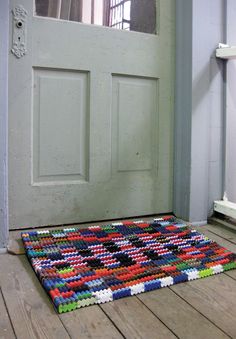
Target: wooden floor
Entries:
(204, 308)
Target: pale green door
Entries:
(90, 121)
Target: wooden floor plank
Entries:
(179, 316)
(214, 297)
(91, 322)
(30, 309)
(134, 320)
(222, 232)
(6, 330)
(223, 242)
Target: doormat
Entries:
(82, 267)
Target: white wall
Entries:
(207, 107)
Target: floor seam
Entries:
(159, 318)
(5, 304)
(228, 275)
(201, 313)
(113, 323)
(64, 326)
(220, 236)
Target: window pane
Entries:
(133, 15)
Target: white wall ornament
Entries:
(19, 31)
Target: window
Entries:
(119, 14)
(134, 15)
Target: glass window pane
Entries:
(133, 15)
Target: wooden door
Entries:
(90, 120)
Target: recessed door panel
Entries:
(60, 128)
(135, 113)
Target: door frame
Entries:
(200, 108)
(193, 192)
(4, 24)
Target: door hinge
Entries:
(19, 20)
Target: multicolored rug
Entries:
(81, 267)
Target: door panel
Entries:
(133, 125)
(90, 122)
(60, 129)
